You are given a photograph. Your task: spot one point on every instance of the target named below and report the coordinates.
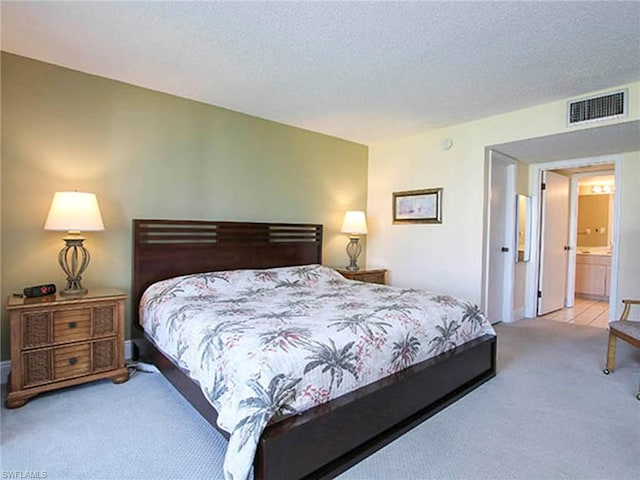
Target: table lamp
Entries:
(74, 212)
(354, 224)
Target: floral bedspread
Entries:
(265, 344)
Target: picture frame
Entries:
(417, 206)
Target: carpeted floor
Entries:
(550, 413)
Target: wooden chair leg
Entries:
(611, 353)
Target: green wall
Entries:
(151, 155)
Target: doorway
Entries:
(588, 147)
(578, 265)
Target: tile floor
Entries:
(583, 312)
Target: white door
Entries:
(501, 239)
(554, 231)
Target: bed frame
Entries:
(330, 438)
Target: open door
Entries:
(501, 241)
(554, 238)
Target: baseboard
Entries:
(518, 314)
(5, 367)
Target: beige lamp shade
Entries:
(354, 223)
(74, 212)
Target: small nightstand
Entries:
(59, 341)
(370, 276)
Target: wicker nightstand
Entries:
(371, 276)
(59, 341)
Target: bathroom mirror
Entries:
(523, 228)
(595, 220)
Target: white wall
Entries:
(521, 268)
(448, 257)
(629, 244)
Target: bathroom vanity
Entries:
(593, 274)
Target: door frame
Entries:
(508, 284)
(570, 293)
(535, 178)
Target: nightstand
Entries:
(370, 276)
(58, 341)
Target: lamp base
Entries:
(69, 292)
(73, 260)
(353, 250)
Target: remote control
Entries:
(39, 290)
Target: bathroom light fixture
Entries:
(602, 188)
(74, 212)
(354, 224)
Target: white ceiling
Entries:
(363, 71)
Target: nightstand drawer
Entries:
(44, 366)
(71, 325)
(53, 364)
(71, 361)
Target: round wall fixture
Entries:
(447, 143)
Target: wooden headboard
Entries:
(168, 248)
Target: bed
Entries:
(325, 439)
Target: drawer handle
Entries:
(73, 361)
(72, 325)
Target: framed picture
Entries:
(418, 206)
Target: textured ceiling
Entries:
(364, 71)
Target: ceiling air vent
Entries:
(603, 107)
